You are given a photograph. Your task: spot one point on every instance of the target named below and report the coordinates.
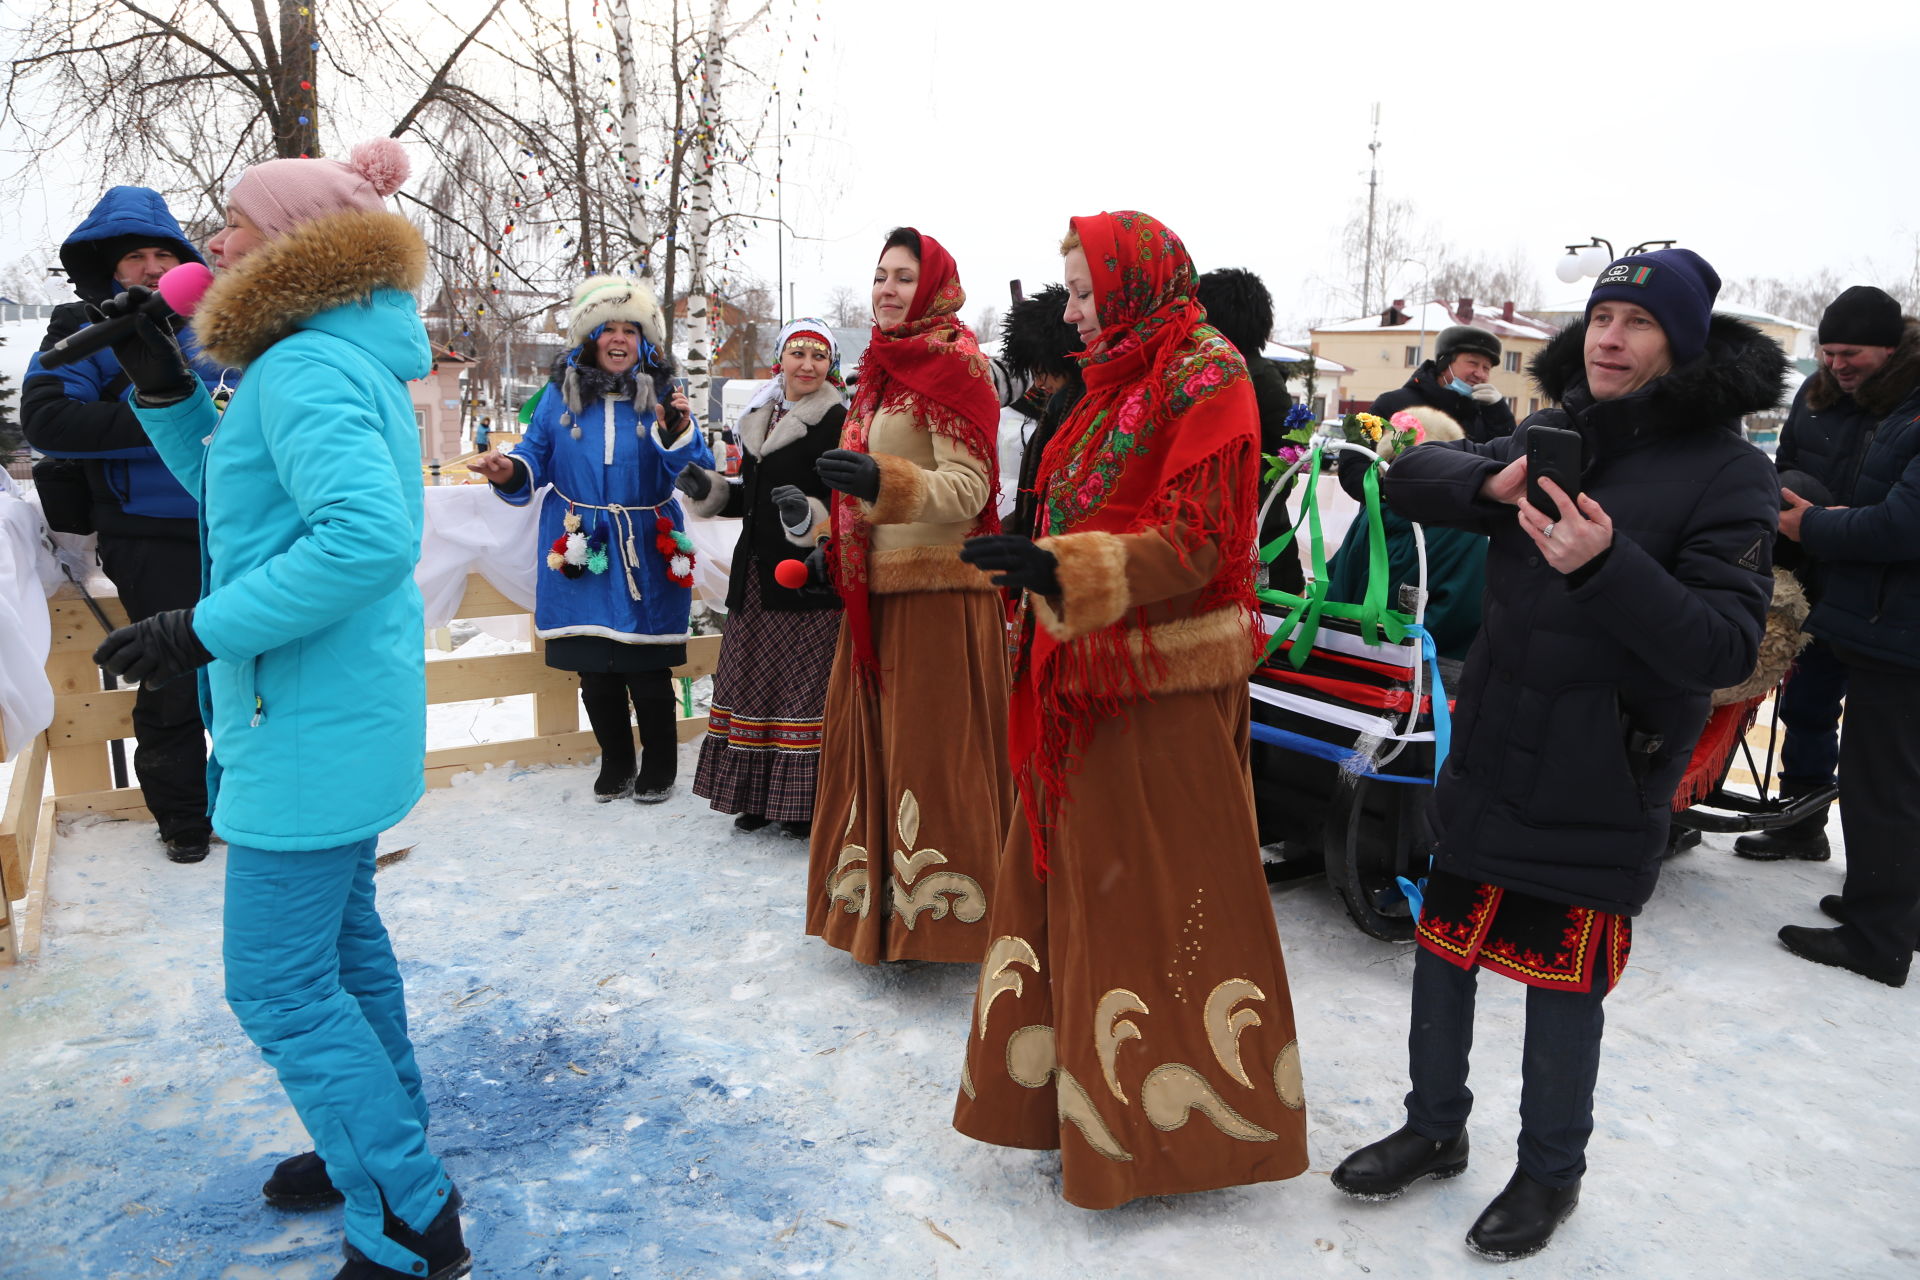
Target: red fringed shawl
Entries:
(931, 366)
(1165, 439)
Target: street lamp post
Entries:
(1591, 259)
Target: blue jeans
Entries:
(312, 979)
(1810, 708)
(1558, 1066)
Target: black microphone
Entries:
(179, 292)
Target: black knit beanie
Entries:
(1862, 316)
(1676, 286)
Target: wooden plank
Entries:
(29, 782)
(703, 658)
(75, 630)
(26, 933)
(565, 748)
(122, 802)
(483, 600)
(100, 717)
(497, 675)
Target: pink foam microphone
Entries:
(177, 294)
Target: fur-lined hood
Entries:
(802, 418)
(328, 263)
(1882, 392)
(1742, 371)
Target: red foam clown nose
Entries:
(791, 574)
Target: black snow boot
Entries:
(1834, 907)
(659, 748)
(189, 845)
(440, 1244)
(1840, 948)
(1805, 840)
(301, 1182)
(605, 698)
(1522, 1219)
(798, 830)
(750, 822)
(1382, 1170)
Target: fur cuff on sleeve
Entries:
(716, 500)
(1093, 584)
(819, 525)
(903, 491)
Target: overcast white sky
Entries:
(1773, 138)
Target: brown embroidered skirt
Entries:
(1523, 937)
(914, 796)
(1134, 1009)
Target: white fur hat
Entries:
(603, 298)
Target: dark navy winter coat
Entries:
(1868, 548)
(1584, 694)
(81, 410)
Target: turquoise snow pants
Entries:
(312, 979)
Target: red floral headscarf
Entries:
(1165, 439)
(931, 366)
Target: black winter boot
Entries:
(189, 845)
(1833, 906)
(1383, 1169)
(1838, 947)
(605, 698)
(659, 719)
(301, 1182)
(1522, 1219)
(750, 822)
(440, 1244)
(1805, 840)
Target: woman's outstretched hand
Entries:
(1014, 562)
(494, 467)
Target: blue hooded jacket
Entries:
(621, 459)
(312, 510)
(79, 410)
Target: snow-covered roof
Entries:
(1293, 355)
(1435, 316)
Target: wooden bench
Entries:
(74, 750)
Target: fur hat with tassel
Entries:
(597, 302)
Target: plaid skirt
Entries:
(762, 749)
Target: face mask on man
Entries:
(1461, 386)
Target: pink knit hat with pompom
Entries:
(279, 195)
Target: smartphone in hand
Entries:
(1552, 452)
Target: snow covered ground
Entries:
(640, 1067)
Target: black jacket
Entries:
(1584, 694)
(1027, 514)
(1867, 548)
(769, 458)
(1481, 422)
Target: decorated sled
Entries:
(1705, 800)
(1350, 718)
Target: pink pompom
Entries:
(383, 163)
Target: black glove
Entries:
(796, 513)
(148, 352)
(1015, 562)
(694, 482)
(819, 574)
(850, 472)
(154, 650)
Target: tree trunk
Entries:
(293, 81)
(631, 167)
(698, 368)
